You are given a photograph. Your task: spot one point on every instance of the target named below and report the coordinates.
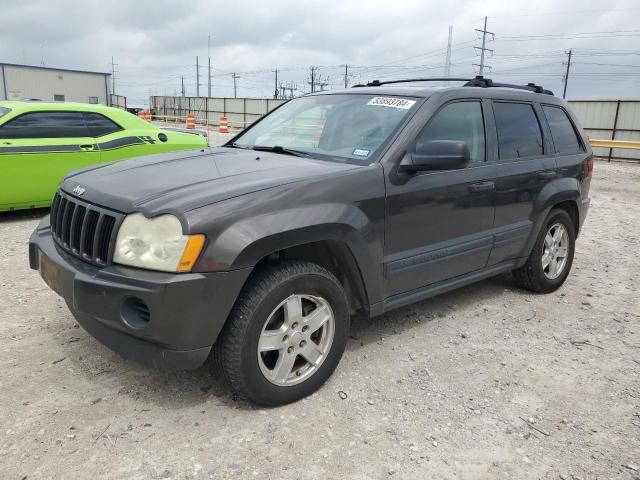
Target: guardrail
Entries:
(622, 144)
(633, 145)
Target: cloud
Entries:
(156, 42)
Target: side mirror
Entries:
(437, 155)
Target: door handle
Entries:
(547, 174)
(87, 147)
(482, 187)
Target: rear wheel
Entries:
(286, 333)
(550, 260)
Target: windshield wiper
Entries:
(235, 145)
(279, 149)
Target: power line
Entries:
(606, 64)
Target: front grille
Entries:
(82, 229)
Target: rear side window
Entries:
(99, 125)
(4, 111)
(458, 121)
(564, 135)
(45, 125)
(519, 133)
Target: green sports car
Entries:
(41, 142)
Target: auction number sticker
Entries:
(393, 102)
(360, 152)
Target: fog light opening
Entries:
(135, 313)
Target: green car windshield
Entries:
(345, 127)
(4, 111)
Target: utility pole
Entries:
(113, 77)
(346, 75)
(275, 93)
(312, 80)
(209, 68)
(182, 82)
(566, 75)
(483, 49)
(235, 91)
(197, 78)
(447, 62)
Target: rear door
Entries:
(36, 150)
(438, 223)
(525, 165)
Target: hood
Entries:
(182, 181)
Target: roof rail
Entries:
(377, 83)
(482, 82)
(478, 81)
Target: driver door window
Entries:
(458, 121)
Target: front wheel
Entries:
(285, 334)
(550, 260)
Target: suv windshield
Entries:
(4, 111)
(345, 127)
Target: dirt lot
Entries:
(485, 382)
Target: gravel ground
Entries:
(485, 382)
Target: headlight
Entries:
(156, 243)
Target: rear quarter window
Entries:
(4, 111)
(99, 125)
(563, 132)
(519, 133)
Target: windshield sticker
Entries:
(360, 152)
(393, 102)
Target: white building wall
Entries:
(25, 82)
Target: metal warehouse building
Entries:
(24, 82)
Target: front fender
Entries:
(244, 243)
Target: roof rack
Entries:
(478, 81)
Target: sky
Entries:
(155, 42)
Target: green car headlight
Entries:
(156, 243)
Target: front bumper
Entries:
(184, 312)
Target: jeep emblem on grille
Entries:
(79, 190)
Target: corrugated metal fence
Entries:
(610, 120)
(240, 111)
(601, 119)
(118, 101)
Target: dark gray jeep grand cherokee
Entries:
(257, 253)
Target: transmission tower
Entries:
(481, 66)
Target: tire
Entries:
(533, 275)
(259, 319)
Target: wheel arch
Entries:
(566, 200)
(337, 257)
